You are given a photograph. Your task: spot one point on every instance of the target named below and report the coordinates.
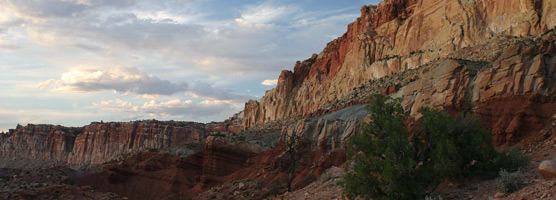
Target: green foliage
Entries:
(458, 147)
(211, 196)
(416, 52)
(510, 182)
(388, 161)
(388, 57)
(240, 138)
(275, 189)
(219, 134)
(385, 164)
(511, 161)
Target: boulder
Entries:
(548, 169)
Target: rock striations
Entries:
(480, 56)
(395, 36)
(96, 143)
(493, 58)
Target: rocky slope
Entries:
(154, 175)
(514, 94)
(413, 32)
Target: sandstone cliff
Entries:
(514, 94)
(495, 58)
(96, 143)
(391, 38)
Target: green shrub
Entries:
(458, 147)
(512, 160)
(219, 134)
(388, 161)
(211, 196)
(510, 182)
(385, 164)
(275, 189)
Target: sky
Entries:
(71, 62)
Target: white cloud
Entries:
(33, 9)
(272, 82)
(117, 105)
(131, 80)
(8, 45)
(265, 13)
(10, 118)
(214, 46)
(120, 79)
(162, 17)
(171, 108)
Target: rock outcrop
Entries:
(231, 125)
(395, 36)
(471, 56)
(153, 175)
(515, 94)
(328, 132)
(39, 142)
(96, 143)
(547, 169)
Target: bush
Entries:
(458, 147)
(219, 134)
(385, 164)
(275, 189)
(512, 160)
(211, 196)
(510, 182)
(388, 161)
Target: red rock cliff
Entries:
(390, 38)
(151, 175)
(96, 143)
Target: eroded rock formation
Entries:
(413, 32)
(494, 58)
(153, 175)
(96, 143)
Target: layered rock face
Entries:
(231, 125)
(393, 37)
(96, 143)
(39, 142)
(152, 175)
(515, 94)
(328, 132)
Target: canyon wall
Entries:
(515, 94)
(96, 143)
(413, 32)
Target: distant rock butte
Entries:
(100, 142)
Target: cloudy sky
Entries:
(71, 62)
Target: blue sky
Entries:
(71, 62)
